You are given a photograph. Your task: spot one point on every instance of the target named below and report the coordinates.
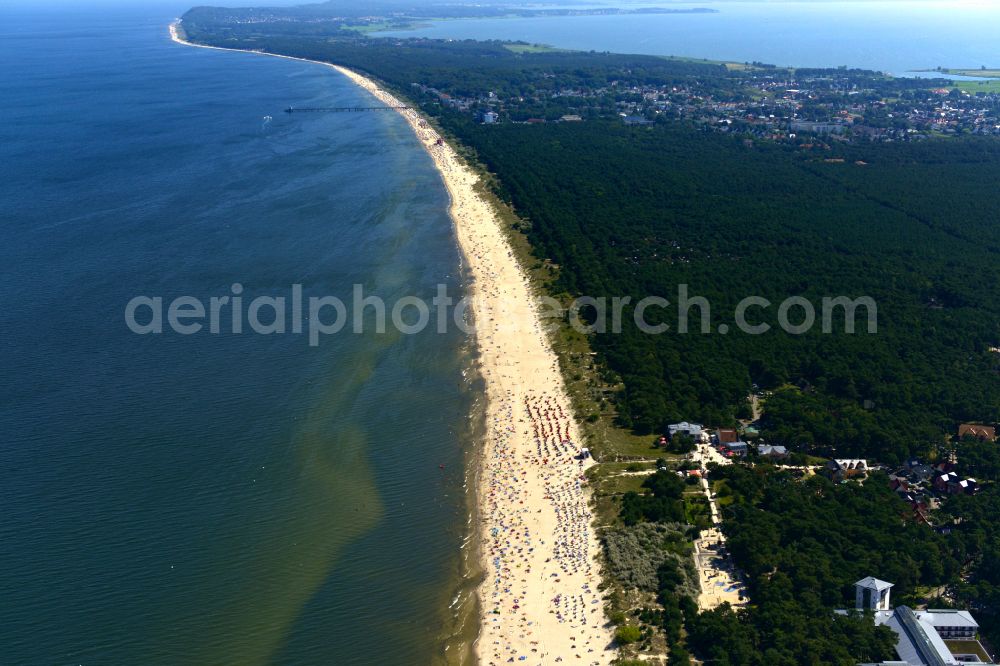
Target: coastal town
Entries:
(760, 102)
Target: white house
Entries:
(694, 430)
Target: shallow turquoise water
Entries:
(214, 498)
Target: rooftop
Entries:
(947, 618)
(871, 583)
(918, 641)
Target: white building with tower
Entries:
(875, 590)
(943, 637)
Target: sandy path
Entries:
(717, 576)
(539, 599)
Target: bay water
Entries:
(894, 36)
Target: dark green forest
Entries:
(977, 533)
(637, 211)
(823, 537)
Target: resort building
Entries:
(817, 127)
(935, 637)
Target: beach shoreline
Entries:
(539, 601)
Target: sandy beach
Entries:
(539, 599)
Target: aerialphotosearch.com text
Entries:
(317, 317)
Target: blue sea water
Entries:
(893, 36)
(209, 499)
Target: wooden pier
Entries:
(344, 109)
